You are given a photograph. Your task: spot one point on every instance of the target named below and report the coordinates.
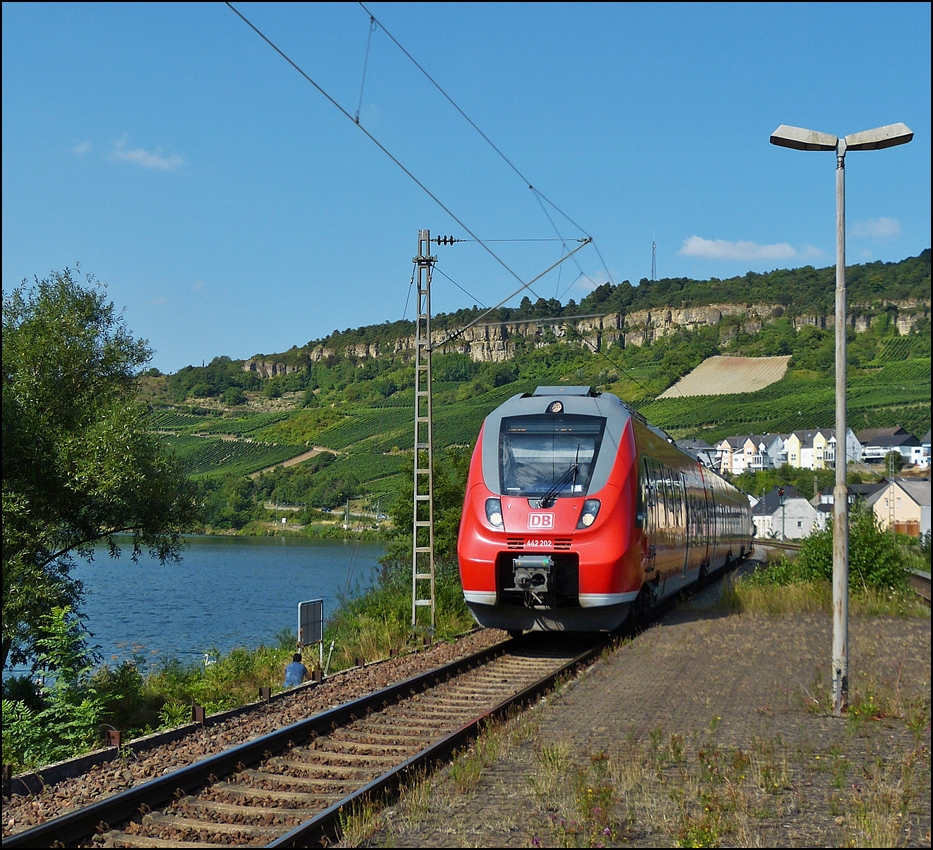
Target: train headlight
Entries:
(589, 513)
(494, 512)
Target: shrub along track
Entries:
(288, 787)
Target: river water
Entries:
(226, 592)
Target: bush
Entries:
(67, 719)
(876, 562)
(128, 705)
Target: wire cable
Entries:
(538, 195)
(376, 142)
(372, 27)
(470, 121)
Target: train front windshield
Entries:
(548, 454)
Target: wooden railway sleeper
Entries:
(194, 804)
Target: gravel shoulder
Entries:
(708, 729)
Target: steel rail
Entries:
(78, 825)
(324, 828)
(920, 584)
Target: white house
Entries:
(920, 455)
(752, 453)
(783, 516)
(854, 447)
(878, 442)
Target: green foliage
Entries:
(876, 562)
(378, 622)
(450, 473)
(234, 396)
(210, 381)
(79, 462)
(230, 680)
(67, 720)
(128, 704)
(803, 480)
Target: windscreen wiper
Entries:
(550, 497)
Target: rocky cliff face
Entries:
(270, 368)
(497, 342)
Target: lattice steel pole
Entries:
(422, 556)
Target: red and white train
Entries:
(578, 514)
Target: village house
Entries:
(825, 500)
(817, 449)
(905, 504)
(752, 453)
(877, 443)
(920, 456)
(783, 514)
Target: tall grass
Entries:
(379, 622)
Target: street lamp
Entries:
(867, 140)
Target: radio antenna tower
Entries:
(654, 264)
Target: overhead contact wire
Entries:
(376, 142)
(372, 27)
(539, 195)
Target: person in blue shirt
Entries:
(296, 672)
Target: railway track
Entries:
(920, 582)
(289, 788)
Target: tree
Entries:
(894, 461)
(79, 464)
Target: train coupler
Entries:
(532, 575)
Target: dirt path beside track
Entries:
(709, 729)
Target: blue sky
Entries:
(233, 209)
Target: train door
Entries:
(686, 518)
(649, 497)
(712, 524)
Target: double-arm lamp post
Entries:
(867, 140)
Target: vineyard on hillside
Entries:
(892, 395)
(729, 375)
(207, 456)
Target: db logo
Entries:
(540, 520)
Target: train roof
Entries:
(565, 391)
(584, 391)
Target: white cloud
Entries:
(876, 228)
(81, 149)
(811, 252)
(721, 249)
(145, 158)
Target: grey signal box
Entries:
(311, 622)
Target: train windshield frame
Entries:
(548, 454)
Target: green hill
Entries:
(235, 429)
